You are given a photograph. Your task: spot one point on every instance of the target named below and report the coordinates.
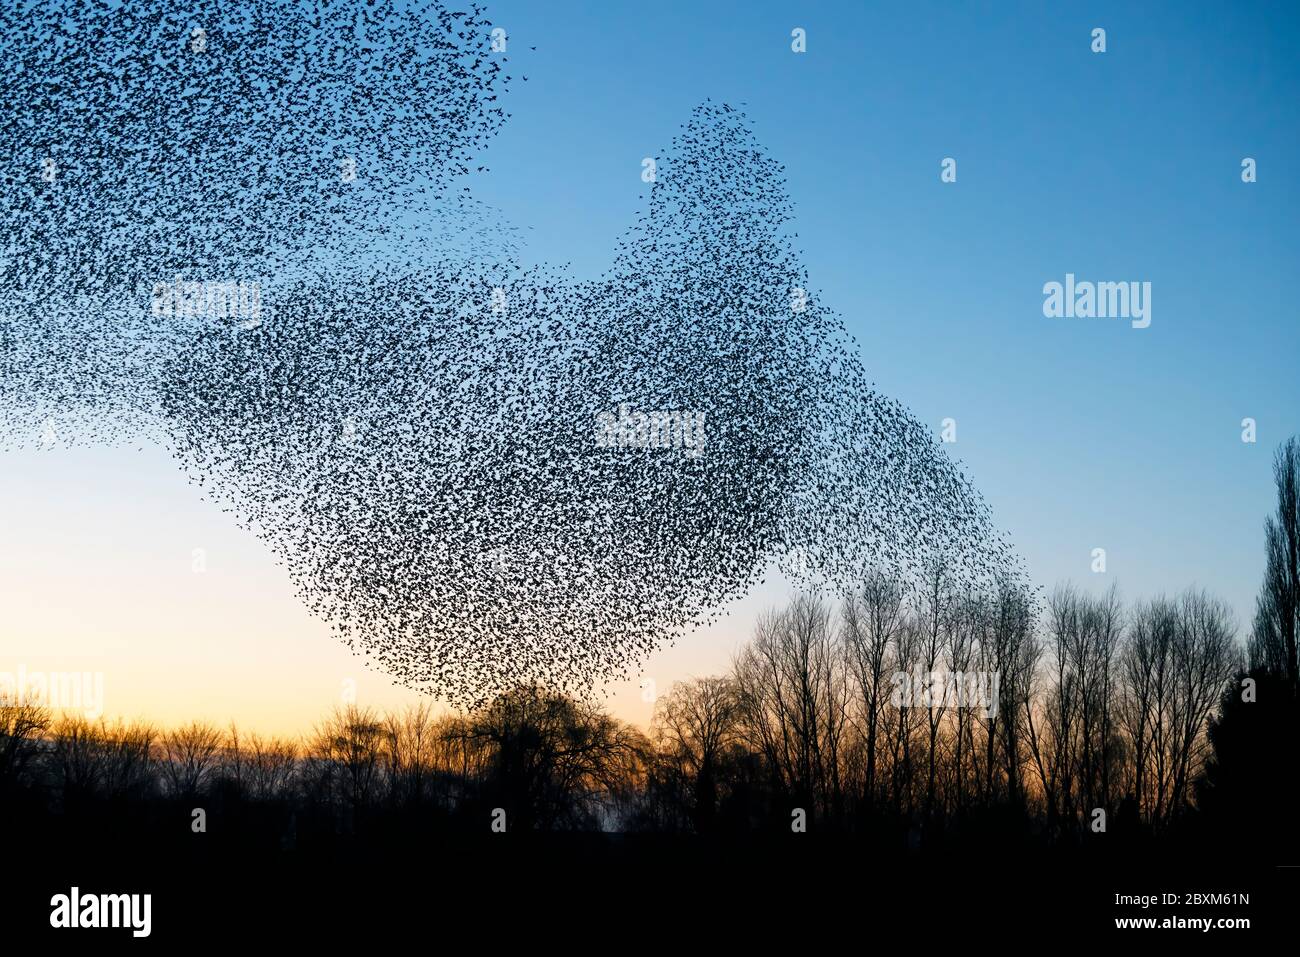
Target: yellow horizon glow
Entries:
(97, 575)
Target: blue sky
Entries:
(1081, 433)
(1123, 165)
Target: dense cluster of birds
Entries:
(481, 475)
(217, 141)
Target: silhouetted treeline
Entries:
(1251, 779)
(1075, 716)
(1099, 707)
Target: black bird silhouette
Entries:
(245, 239)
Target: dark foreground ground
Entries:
(597, 892)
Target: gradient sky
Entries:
(1081, 433)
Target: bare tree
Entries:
(1091, 646)
(128, 758)
(1205, 659)
(872, 617)
(410, 744)
(694, 726)
(190, 755)
(1277, 615)
(1145, 680)
(346, 751)
(554, 761)
(272, 766)
(904, 719)
(1053, 737)
(1176, 665)
(792, 692)
(934, 619)
(22, 725)
(1010, 651)
(78, 757)
(966, 624)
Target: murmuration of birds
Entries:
(242, 232)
